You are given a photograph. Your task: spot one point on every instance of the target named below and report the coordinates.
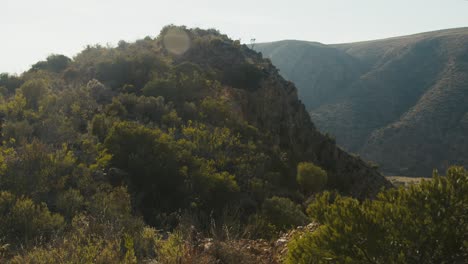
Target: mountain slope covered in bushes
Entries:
(188, 129)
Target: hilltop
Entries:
(400, 102)
(189, 129)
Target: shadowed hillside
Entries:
(400, 102)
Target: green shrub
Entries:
(79, 249)
(22, 221)
(283, 213)
(54, 63)
(34, 91)
(70, 202)
(10, 82)
(146, 243)
(112, 206)
(259, 226)
(245, 75)
(173, 249)
(425, 223)
(34, 170)
(311, 177)
(161, 87)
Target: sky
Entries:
(32, 29)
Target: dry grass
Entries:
(405, 181)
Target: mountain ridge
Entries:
(388, 81)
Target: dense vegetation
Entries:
(391, 101)
(425, 223)
(102, 154)
(139, 152)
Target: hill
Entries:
(188, 129)
(400, 102)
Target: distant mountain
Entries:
(400, 102)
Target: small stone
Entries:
(208, 246)
(281, 242)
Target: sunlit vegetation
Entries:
(134, 154)
(424, 223)
(100, 149)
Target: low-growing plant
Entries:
(310, 177)
(283, 213)
(425, 223)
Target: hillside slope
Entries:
(400, 102)
(320, 72)
(189, 129)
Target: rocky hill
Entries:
(188, 132)
(400, 102)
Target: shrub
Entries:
(224, 252)
(161, 87)
(34, 171)
(260, 227)
(113, 206)
(70, 202)
(54, 63)
(23, 221)
(311, 177)
(78, 249)
(10, 82)
(146, 243)
(99, 92)
(34, 91)
(244, 75)
(425, 223)
(173, 249)
(283, 213)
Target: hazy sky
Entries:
(33, 29)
